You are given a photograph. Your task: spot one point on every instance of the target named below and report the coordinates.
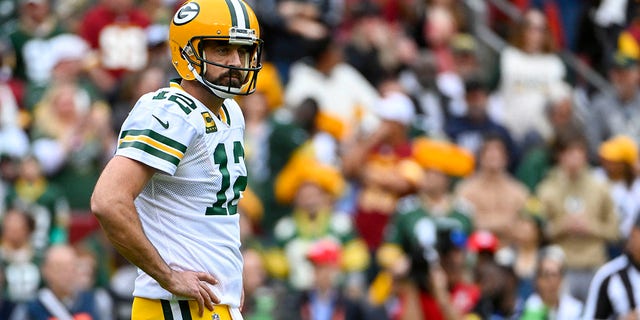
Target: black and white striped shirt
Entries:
(614, 290)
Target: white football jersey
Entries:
(189, 208)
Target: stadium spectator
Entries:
(580, 213)
(325, 299)
(528, 68)
(314, 188)
(496, 197)
(615, 289)
(367, 49)
(469, 130)
(432, 106)
(261, 298)
(115, 30)
(134, 85)
(159, 12)
(528, 237)
(564, 116)
(6, 305)
(629, 39)
(14, 141)
(440, 163)
(158, 49)
(258, 129)
(45, 201)
(376, 47)
(440, 28)
(252, 211)
(424, 226)
(482, 246)
(86, 281)
(550, 301)
(60, 298)
(466, 66)
(31, 43)
(72, 138)
(352, 98)
(499, 289)
(618, 112)
(381, 165)
(121, 285)
(271, 138)
(600, 30)
(293, 28)
(619, 158)
(18, 256)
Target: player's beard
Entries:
(232, 79)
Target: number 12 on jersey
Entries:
(220, 158)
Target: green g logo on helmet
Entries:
(187, 13)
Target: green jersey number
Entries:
(221, 159)
(185, 103)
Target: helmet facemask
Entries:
(194, 54)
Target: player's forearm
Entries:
(122, 227)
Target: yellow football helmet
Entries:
(222, 20)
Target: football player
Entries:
(168, 199)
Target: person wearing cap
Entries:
(441, 162)
(619, 159)
(615, 289)
(311, 189)
(482, 246)
(618, 112)
(498, 284)
(433, 206)
(383, 166)
(326, 298)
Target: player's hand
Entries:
(191, 284)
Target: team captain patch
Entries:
(210, 125)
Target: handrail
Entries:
(496, 43)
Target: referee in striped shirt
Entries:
(615, 289)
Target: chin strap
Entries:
(211, 87)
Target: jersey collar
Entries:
(223, 114)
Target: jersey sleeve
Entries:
(155, 135)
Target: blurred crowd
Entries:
(401, 166)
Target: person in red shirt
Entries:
(115, 30)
